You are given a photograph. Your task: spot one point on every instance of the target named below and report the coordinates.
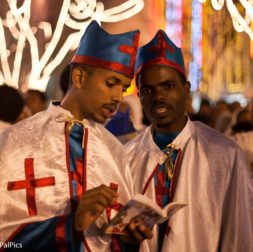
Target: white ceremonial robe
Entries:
(214, 182)
(245, 141)
(42, 137)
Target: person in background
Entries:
(36, 100)
(244, 122)
(204, 114)
(63, 175)
(242, 134)
(121, 125)
(12, 107)
(222, 116)
(178, 160)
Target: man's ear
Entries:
(78, 76)
(187, 87)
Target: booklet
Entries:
(141, 209)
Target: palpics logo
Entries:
(10, 245)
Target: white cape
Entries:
(42, 137)
(214, 182)
(245, 141)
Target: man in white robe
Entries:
(182, 161)
(63, 175)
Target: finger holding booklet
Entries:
(143, 210)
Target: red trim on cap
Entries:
(163, 62)
(112, 66)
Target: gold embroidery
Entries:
(70, 124)
(169, 165)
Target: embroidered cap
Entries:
(160, 51)
(115, 52)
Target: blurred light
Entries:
(174, 20)
(46, 27)
(131, 90)
(240, 23)
(74, 14)
(195, 73)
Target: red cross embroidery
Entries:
(131, 50)
(78, 177)
(30, 183)
(161, 46)
(160, 189)
(115, 205)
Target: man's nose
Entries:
(117, 95)
(158, 94)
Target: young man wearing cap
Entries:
(178, 160)
(63, 175)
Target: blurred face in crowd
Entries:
(98, 92)
(245, 116)
(34, 102)
(163, 94)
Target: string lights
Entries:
(240, 23)
(73, 14)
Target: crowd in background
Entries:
(16, 106)
(224, 117)
(232, 119)
(227, 118)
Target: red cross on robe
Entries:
(78, 177)
(160, 189)
(115, 205)
(29, 184)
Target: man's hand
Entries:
(93, 204)
(137, 233)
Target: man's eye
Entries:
(108, 84)
(145, 90)
(168, 85)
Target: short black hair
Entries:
(11, 103)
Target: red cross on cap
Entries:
(131, 50)
(161, 46)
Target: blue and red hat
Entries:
(160, 51)
(115, 52)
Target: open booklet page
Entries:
(141, 209)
